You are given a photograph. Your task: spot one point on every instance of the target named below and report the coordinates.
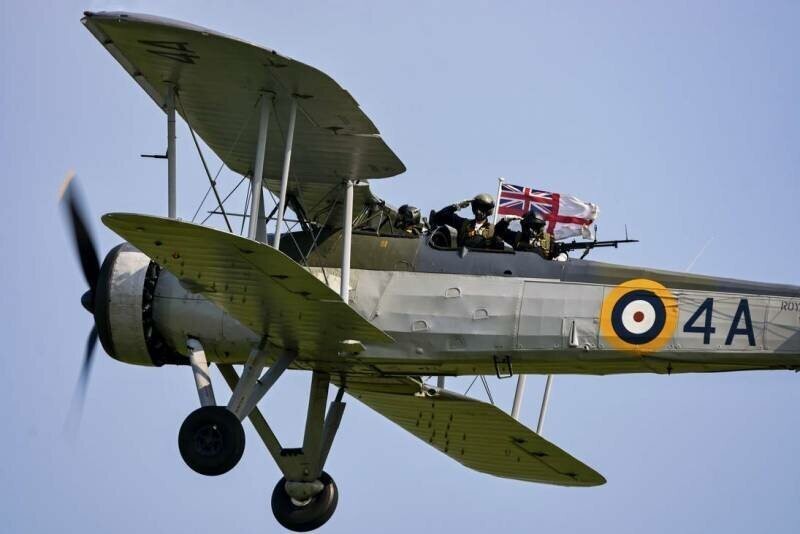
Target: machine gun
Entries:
(587, 246)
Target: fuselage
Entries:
(500, 311)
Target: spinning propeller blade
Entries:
(79, 396)
(84, 244)
(90, 264)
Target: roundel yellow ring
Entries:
(638, 315)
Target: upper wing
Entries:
(261, 287)
(219, 80)
(480, 436)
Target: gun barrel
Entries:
(586, 245)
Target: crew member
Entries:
(533, 237)
(477, 232)
(408, 220)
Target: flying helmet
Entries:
(532, 222)
(407, 216)
(482, 205)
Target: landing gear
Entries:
(211, 440)
(304, 514)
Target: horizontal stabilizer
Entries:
(261, 287)
(480, 436)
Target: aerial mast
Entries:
(172, 185)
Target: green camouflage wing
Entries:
(479, 436)
(259, 286)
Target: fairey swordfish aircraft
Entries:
(362, 306)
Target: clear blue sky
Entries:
(680, 119)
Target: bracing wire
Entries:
(222, 163)
(211, 180)
(488, 391)
(226, 198)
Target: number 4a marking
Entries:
(706, 310)
(743, 311)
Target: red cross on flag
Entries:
(565, 215)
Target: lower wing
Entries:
(479, 436)
(259, 286)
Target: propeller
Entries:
(90, 264)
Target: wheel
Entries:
(306, 516)
(211, 440)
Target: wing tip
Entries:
(597, 480)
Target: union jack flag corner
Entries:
(566, 216)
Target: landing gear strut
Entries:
(211, 440)
(302, 515)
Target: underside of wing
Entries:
(220, 79)
(479, 436)
(323, 204)
(261, 287)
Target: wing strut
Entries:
(287, 159)
(545, 400)
(520, 392)
(258, 166)
(347, 230)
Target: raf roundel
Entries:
(639, 315)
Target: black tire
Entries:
(310, 516)
(211, 440)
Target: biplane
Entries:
(366, 309)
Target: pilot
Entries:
(409, 220)
(533, 237)
(477, 232)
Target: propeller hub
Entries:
(87, 301)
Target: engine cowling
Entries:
(145, 316)
(124, 309)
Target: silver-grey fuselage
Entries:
(454, 314)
